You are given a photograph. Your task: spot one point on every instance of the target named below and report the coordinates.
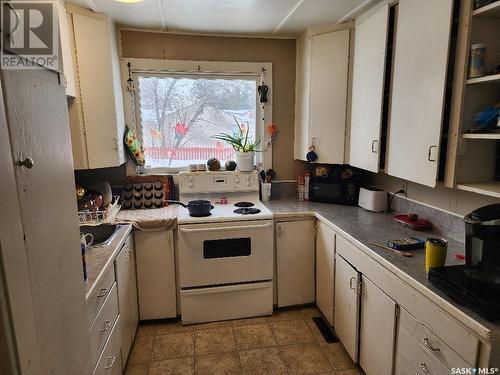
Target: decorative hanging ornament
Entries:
(181, 128)
(263, 89)
(130, 82)
(311, 156)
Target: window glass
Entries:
(179, 115)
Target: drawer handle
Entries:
(111, 361)
(424, 368)
(103, 293)
(350, 283)
(107, 325)
(429, 346)
(430, 153)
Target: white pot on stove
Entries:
(245, 161)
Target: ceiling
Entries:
(245, 17)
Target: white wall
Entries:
(453, 200)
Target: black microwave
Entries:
(335, 189)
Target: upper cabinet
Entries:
(418, 89)
(66, 59)
(473, 158)
(322, 94)
(96, 114)
(369, 67)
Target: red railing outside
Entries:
(189, 153)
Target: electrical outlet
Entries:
(405, 188)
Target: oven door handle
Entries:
(214, 229)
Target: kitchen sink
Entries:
(103, 234)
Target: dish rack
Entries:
(98, 217)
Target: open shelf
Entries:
(485, 79)
(490, 10)
(481, 136)
(487, 188)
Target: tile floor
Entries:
(288, 342)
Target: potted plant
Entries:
(245, 148)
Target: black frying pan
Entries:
(197, 208)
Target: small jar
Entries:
(476, 60)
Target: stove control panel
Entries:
(218, 182)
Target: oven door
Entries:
(224, 253)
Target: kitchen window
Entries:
(177, 112)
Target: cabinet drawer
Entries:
(434, 345)
(100, 330)
(344, 247)
(417, 356)
(101, 291)
(109, 362)
(448, 330)
(403, 367)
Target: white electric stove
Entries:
(234, 195)
(226, 258)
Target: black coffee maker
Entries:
(482, 250)
(476, 284)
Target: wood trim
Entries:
(458, 95)
(215, 35)
(72, 8)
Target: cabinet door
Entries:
(133, 299)
(347, 287)
(370, 47)
(155, 274)
(66, 60)
(325, 260)
(328, 95)
(37, 117)
(123, 281)
(97, 90)
(295, 262)
(377, 330)
(302, 83)
(418, 88)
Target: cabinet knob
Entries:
(26, 162)
(374, 149)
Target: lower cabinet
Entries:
(110, 362)
(325, 261)
(347, 292)
(377, 329)
(156, 274)
(127, 296)
(113, 313)
(295, 262)
(365, 319)
(419, 347)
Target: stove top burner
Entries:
(246, 211)
(244, 204)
